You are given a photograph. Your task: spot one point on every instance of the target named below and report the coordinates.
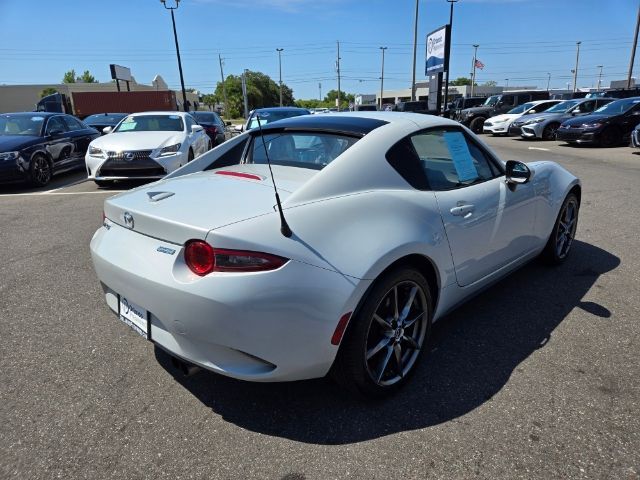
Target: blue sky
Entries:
(520, 40)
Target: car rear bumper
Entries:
(264, 326)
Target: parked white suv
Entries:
(499, 125)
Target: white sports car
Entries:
(388, 221)
(145, 146)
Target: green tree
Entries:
(490, 83)
(460, 81)
(262, 91)
(345, 99)
(86, 77)
(69, 77)
(210, 100)
(48, 91)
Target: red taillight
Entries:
(199, 257)
(250, 176)
(212, 130)
(203, 259)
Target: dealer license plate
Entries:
(133, 315)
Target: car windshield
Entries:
(492, 100)
(619, 106)
(21, 124)
(563, 106)
(522, 108)
(204, 117)
(270, 117)
(299, 149)
(104, 118)
(151, 123)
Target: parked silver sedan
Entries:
(544, 126)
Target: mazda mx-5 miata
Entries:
(383, 222)
(144, 146)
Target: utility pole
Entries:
(548, 80)
(473, 74)
(506, 85)
(446, 80)
(415, 46)
(320, 91)
(338, 70)
(175, 37)
(279, 50)
(575, 72)
(599, 76)
(244, 93)
(382, 76)
(224, 88)
(633, 50)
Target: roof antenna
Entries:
(284, 226)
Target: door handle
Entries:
(462, 210)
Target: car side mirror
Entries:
(196, 128)
(517, 172)
(107, 130)
(228, 124)
(531, 111)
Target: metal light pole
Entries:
(224, 88)
(175, 37)
(473, 75)
(382, 76)
(446, 79)
(599, 76)
(548, 80)
(575, 72)
(633, 50)
(506, 85)
(415, 46)
(279, 50)
(320, 91)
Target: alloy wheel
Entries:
(566, 228)
(396, 333)
(41, 170)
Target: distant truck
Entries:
(496, 104)
(83, 104)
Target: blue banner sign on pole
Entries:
(436, 51)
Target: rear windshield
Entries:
(270, 117)
(619, 106)
(492, 100)
(204, 117)
(151, 123)
(299, 149)
(101, 118)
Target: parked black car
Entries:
(418, 106)
(496, 104)
(36, 145)
(456, 106)
(608, 126)
(212, 124)
(100, 121)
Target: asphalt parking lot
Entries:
(536, 378)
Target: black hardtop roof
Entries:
(327, 122)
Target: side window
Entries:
(72, 123)
(586, 107)
(449, 160)
(523, 98)
(56, 124)
(230, 157)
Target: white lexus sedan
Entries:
(382, 223)
(145, 146)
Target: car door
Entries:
(80, 136)
(59, 146)
(487, 224)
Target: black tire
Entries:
(553, 253)
(368, 345)
(190, 156)
(104, 183)
(610, 137)
(40, 171)
(476, 125)
(549, 132)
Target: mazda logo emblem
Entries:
(128, 220)
(129, 156)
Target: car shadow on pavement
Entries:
(474, 351)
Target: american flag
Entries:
(479, 64)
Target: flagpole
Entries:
(473, 79)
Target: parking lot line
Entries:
(66, 186)
(539, 148)
(52, 192)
